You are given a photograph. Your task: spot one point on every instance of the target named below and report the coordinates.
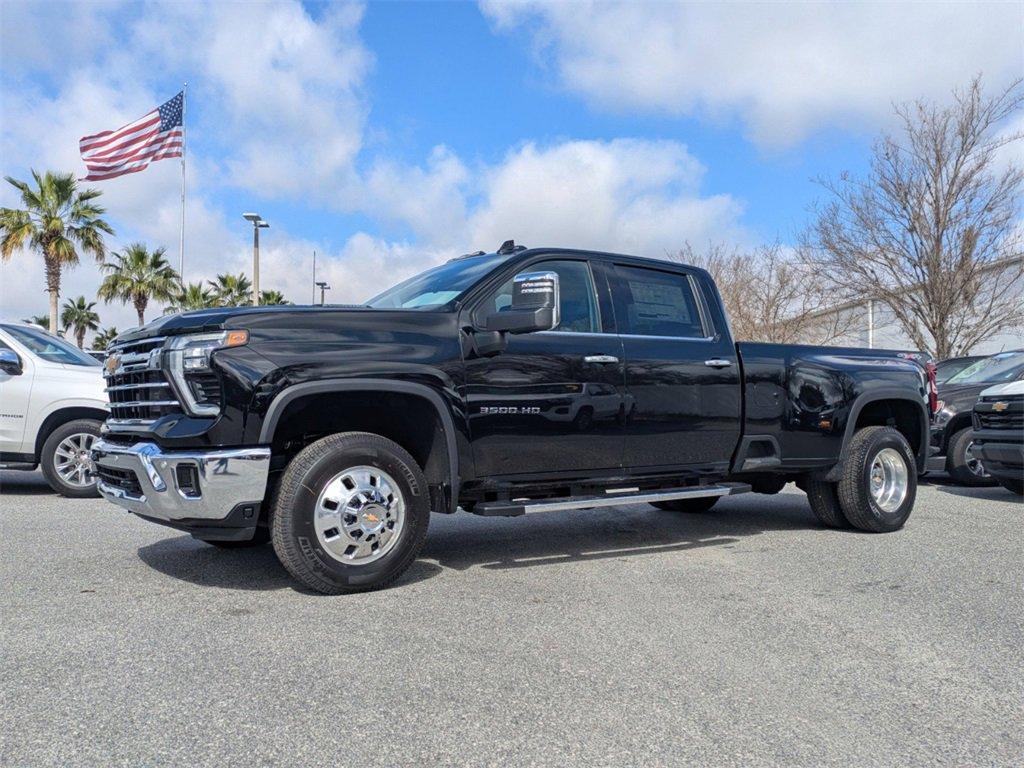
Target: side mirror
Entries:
(534, 306)
(10, 363)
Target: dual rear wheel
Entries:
(877, 488)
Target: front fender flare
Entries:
(295, 391)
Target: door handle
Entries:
(602, 359)
(717, 362)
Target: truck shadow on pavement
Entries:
(984, 493)
(462, 542)
(465, 542)
(24, 484)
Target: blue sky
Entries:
(389, 136)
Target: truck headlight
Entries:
(188, 363)
(944, 415)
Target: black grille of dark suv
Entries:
(994, 412)
(138, 391)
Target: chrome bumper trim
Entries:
(226, 479)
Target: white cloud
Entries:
(281, 92)
(627, 195)
(785, 69)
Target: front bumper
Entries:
(213, 494)
(1002, 454)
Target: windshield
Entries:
(50, 347)
(1006, 366)
(439, 286)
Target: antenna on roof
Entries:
(509, 246)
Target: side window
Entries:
(653, 303)
(578, 311)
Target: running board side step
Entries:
(518, 507)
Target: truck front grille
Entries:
(139, 392)
(994, 412)
(1001, 420)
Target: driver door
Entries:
(550, 402)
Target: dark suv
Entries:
(952, 445)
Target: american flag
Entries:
(157, 135)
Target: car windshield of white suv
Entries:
(439, 286)
(1005, 366)
(49, 347)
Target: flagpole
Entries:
(314, 277)
(181, 240)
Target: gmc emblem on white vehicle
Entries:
(508, 410)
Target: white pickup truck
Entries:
(52, 403)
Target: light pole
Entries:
(323, 287)
(257, 224)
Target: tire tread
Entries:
(286, 546)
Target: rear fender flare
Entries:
(875, 396)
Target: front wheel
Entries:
(351, 513)
(65, 459)
(879, 481)
(962, 464)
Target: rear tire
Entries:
(694, 506)
(1014, 486)
(824, 500)
(879, 481)
(60, 459)
(964, 467)
(351, 513)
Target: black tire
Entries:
(48, 458)
(957, 461)
(855, 498)
(1014, 486)
(824, 500)
(695, 506)
(292, 523)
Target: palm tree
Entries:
(272, 297)
(56, 220)
(136, 275)
(79, 314)
(102, 339)
(191, 296)
(232, 290)
(43, 321)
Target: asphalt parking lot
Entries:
(613, 637)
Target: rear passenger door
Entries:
(682, 374)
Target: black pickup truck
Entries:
(502, 384)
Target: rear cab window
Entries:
(650, 302)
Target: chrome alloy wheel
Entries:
(359, 515)
(973, 462)
(889, 479)
(73, 461)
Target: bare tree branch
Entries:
(934, 229)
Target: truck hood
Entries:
(219, 318)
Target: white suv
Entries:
(52, 403)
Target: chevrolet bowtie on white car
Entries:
(52, 403)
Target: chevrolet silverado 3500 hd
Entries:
(502, 384)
